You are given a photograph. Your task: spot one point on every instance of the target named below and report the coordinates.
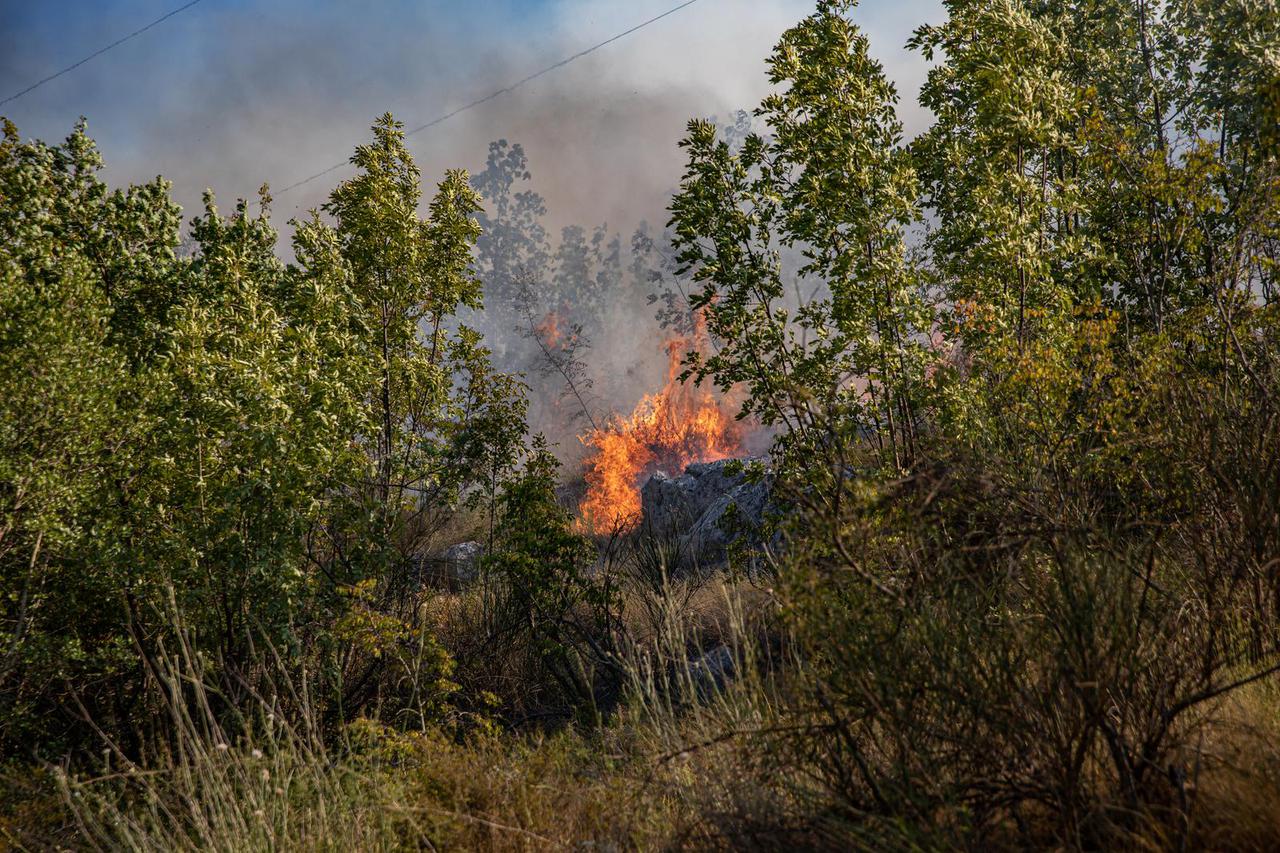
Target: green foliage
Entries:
(415, 670)
(255, 437)
(444, 427)
(551, 602)
(61, 426)
(407, 275)
(1096, 150)
(998, 166)
(1016, 624)
(229, 448)
(1023, 639)
(831, 181)
(443, 421)
(72, 433)
(126, 238)
(1023, 371)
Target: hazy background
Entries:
(232, 93)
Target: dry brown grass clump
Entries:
(1237, 792)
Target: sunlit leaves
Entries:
(831, 182)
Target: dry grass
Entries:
(711, 612)
(670, 771)
(391, 791)
(679, 765)
(1237, 792)
(680, 621)
(675, 768)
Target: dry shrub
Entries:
(1237, 783)
(502, 674)
(675, 767)
(1019, 643)
(385, 791)
(277, 784)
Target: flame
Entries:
(549, 330)
(675, 427)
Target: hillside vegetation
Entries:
(1018, 587)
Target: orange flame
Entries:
(675, 427)
(549, 330)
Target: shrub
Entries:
(1019, 640)
(548, 602)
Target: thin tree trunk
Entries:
(386, 406)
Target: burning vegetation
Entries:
(549, 331)
(679, 425)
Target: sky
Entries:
(234, 93)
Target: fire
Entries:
(549, 330)
(678, 425)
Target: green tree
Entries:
(259, 388)
(225, 446)
(63, 433)
(409, 276)
(996, 167)
(552, 608)
(1091, 151)
(832, 182)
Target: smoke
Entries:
(233, 94)
(230, 95)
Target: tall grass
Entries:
(666, 770)
(733, 756)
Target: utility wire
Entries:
(505, 89)
(98, 53)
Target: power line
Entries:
(98, 53)
(505, 89)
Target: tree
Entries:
(409, 277)
(995, 167)
(63, 433)
(228, 450)
(1097, 151)
(564, 618)
(259, 388)
(833, 182)
(512, 242)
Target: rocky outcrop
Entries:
(456, 567)
(462, 562)
(709, 507)
(711, 673)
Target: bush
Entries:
(1020, 641)
(547, 602)
(255, 452)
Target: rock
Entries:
(462, 562)
(677, 503)
(712, 672)
(708, 507)
(666, 504)
(738, 513)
